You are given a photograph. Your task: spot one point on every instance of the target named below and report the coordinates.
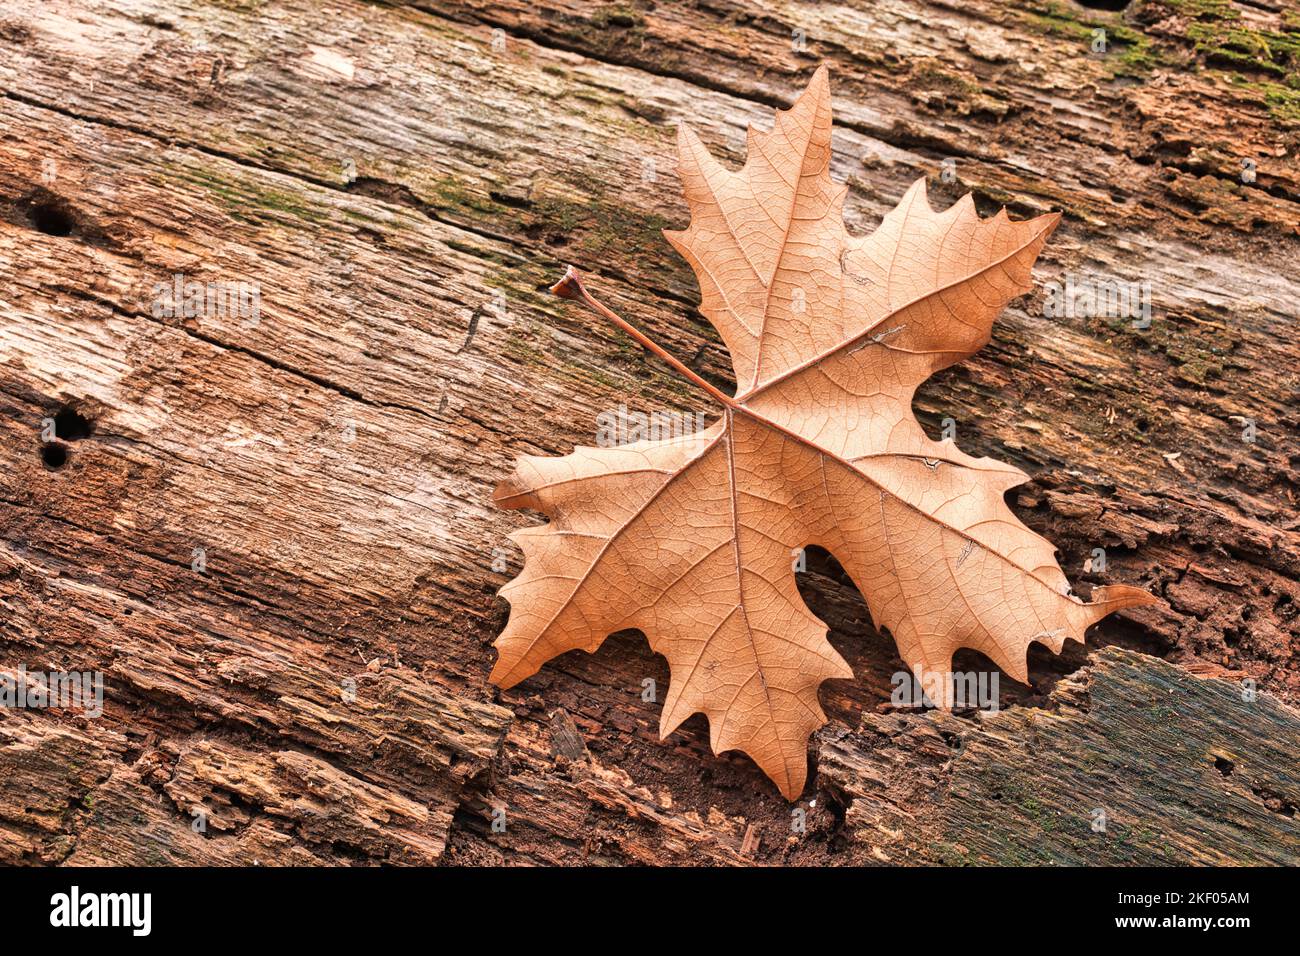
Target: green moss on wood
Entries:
(1130, 52)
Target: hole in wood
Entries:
(54, 455)
(1104, 4)
(49, 218)
(71, 425)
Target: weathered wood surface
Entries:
(334, 460)
(1214, 780)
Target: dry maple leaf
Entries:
(690, 540)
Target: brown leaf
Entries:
(691, 540)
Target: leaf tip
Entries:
(918, 190)
(821, 79)
(506, 489)
(1114, 597)
(1053, 220)
(500, 675)
(514, 664)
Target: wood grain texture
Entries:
(335, 460)
(1213, 783)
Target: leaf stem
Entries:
(571, 287)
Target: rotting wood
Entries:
(1133, 762)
